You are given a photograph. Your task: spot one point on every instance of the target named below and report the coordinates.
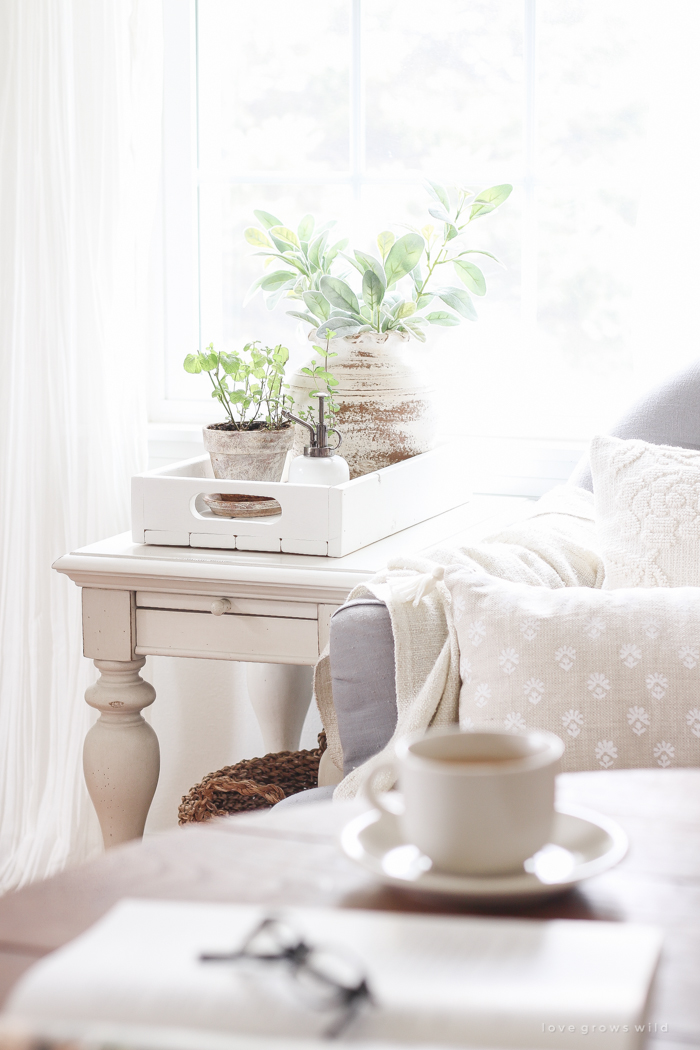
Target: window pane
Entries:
(593, 103)
(273, 85)
(443, 90)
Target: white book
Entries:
(433, 981)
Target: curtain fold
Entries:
(80, 154)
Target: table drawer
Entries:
(245, 606)
(273, 639)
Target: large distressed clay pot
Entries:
(386, 409)
(248, 455)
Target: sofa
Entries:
(362, 656)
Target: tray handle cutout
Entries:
(230, 506)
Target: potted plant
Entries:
(384, 407)
(252, 443)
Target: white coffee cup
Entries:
(477, 802)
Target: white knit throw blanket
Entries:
(555, 546)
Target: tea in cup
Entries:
(475, 802)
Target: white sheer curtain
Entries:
(80, 120)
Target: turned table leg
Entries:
(121, 757)
(280, 695)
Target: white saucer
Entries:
(583, 844)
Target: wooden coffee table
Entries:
(292, 857)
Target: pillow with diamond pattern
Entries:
(647, 500)
(615, 674)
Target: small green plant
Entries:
(324, 381)
(251, 381)
(304, 257)
(379, 305)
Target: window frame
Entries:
(510, 466)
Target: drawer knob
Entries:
(220, 606)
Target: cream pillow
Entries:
(616, 676)
(647, 501)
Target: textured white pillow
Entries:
(647, 500)
(615, 674)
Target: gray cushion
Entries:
(668, 415)
(363, 675)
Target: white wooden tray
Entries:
(167, 507)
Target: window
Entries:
(343, 107)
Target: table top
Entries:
(292, 857)
(120, 562)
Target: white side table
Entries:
(271, 610)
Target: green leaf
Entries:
(423, 300)
(318, 304)
(303, 317)
(289, 257)
(404, 255)
(339, 294)
(340, 325)
(353, 262)
(372, 289)
(274, 297)
(438, 212)
(490, 199)
(334, 249)
(266, 219)
(439, 193)
(460, 301)
(471, 276)
(253, 289)
(368, 262)
(283, 233)
(325, 226)
(450, 232)
(415, 330)
(232, 364)
(256, 237)
(192, 364)
(384, 242)
(306, 228)
(405, 309)
(442, 317)
(277, 279)
(295, 259)
(479, 251)
(316, 249)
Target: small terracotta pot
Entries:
(248, 455)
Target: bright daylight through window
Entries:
(343, 108)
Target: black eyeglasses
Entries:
(328, 979)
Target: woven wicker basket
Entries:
(256, 783)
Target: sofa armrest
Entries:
(363, 676)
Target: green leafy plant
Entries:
(303, 257)
(249, 385)
(381, 306)
(398, 286)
